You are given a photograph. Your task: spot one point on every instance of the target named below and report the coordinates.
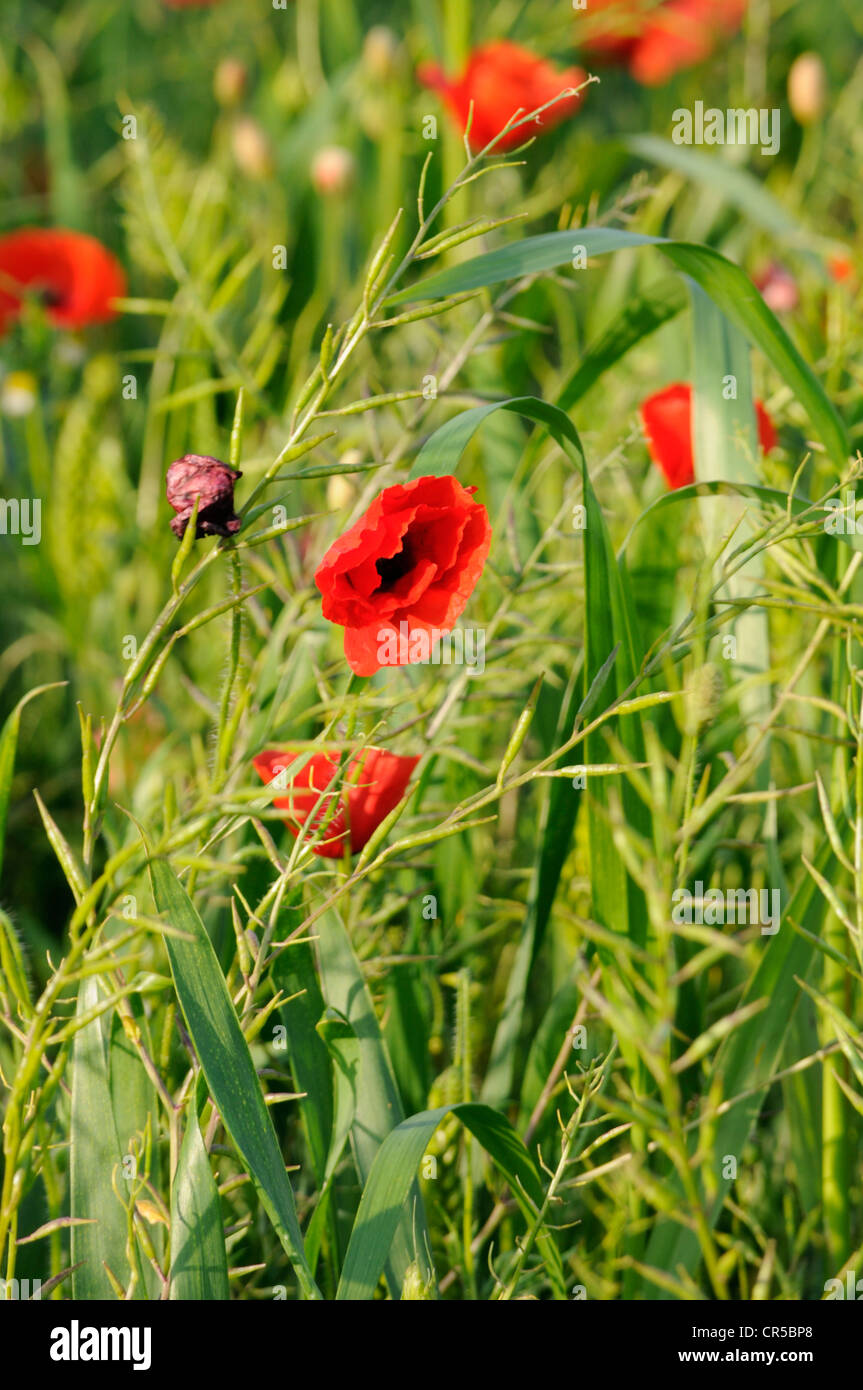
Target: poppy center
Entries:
(395, 567)
(47, 295)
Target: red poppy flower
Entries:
(840, 268)
(373, 784)
(656, 41)
(667, 420)
(74, 273)
(408, 566)
(500, 78)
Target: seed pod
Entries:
(414, 1287)
(704, 696)
(212, 482)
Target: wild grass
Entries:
(479, 1060)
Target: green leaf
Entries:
(726, 284)
(343, 1047)
(134, 1107)
(394, 1172)
(797, 503)
(8, 749)
(227, 1064)
(96, 1154)
(294, 973)
(735, 185)
(610, 622)
(378, 1107)
(199, 1263)
(747, 1060)
(641, 317)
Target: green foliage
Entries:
(481, 1058)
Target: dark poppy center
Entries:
(393, 568)
(48, 295)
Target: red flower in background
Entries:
(408, 565)
(657, 40)
(74, 273)
(500, 78)
(840, 268)
(374, 783)
(667, 420)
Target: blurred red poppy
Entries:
(501, 78)
(667, 420)
(409, 565)
(840, 268)
(73, 273)
(655, 41)
(373, 784)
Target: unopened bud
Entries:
(251, 148)
(807, 88)
(229, 82)
(380, 53)
(333, 170)
(341, 492)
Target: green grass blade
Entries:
(394, 1172)
(8, 749)
(227, 1064)
(748, 1058)
(641, 317)
(294, 973)
(199, 1263)
(378, 1107)
(96, 1154)
(736, 186)
(727, 285)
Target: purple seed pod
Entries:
(197, 475)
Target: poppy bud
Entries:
(212, 482)
(807, 88)
(229, 82)
(251, 148)
(288, 88)
(333, 170)
(380, 52)
(340, 492)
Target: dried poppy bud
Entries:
(210, 480)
